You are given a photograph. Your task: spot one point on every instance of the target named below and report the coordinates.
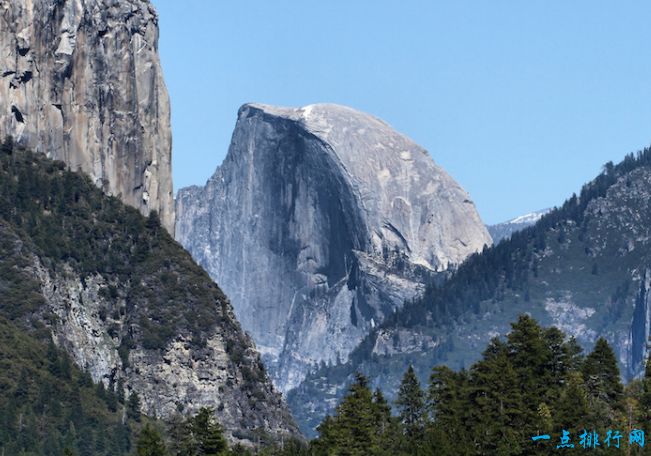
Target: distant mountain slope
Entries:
(322, 221)
(504, 230)
(124, 299)
(584, 267)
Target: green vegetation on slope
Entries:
(63, 218)
(581, 266)
(53, 217)
(48, 406)
(67, 219)
(508, 265)
(533, 382)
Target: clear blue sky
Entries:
(520, 101)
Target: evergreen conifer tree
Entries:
(499, 420)
(530, 357)
(411, 404)
(150, 442)
(133, 407)
(603, 385)
(572, 404)
(352, 431)
(208, 433)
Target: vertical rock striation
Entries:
(80, 80)
(321, 222)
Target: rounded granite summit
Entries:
(409, 201)
(320, 222)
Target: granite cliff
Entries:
(321, 222)
(80, 80)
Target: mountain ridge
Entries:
(125, 300)
(583, 267)
(504, 230)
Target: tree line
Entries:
(531, 391)
(534, 383)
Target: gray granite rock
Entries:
(321, 222)
(80, 80)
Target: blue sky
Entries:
(520, 101)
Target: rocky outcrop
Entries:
(181, 378)
(80, 80)
(640, 328)
(321, 222)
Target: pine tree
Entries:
(207, 433)
(179, 435)
(604, 388)
(150, 442)
(574, 354)
(54, 365)
(601, 374)
(120, 391)
(387, 428)
(355, 417)
(133, 407)
(645, 399)
(499, 421)
(411, 405)
(352, 430)
(531, 358)
(572, 405)
(446, 403)
(66, 368)
(558, 362)
(327, 437)
(111, 397)
(70, 440)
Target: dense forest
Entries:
(65, 219)
(49, 407)
(532, 392)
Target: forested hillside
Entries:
(532, 392)
(585, 267)
(86, 275)
(48, 406)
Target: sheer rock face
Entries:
(80, 80)
(320, 222)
